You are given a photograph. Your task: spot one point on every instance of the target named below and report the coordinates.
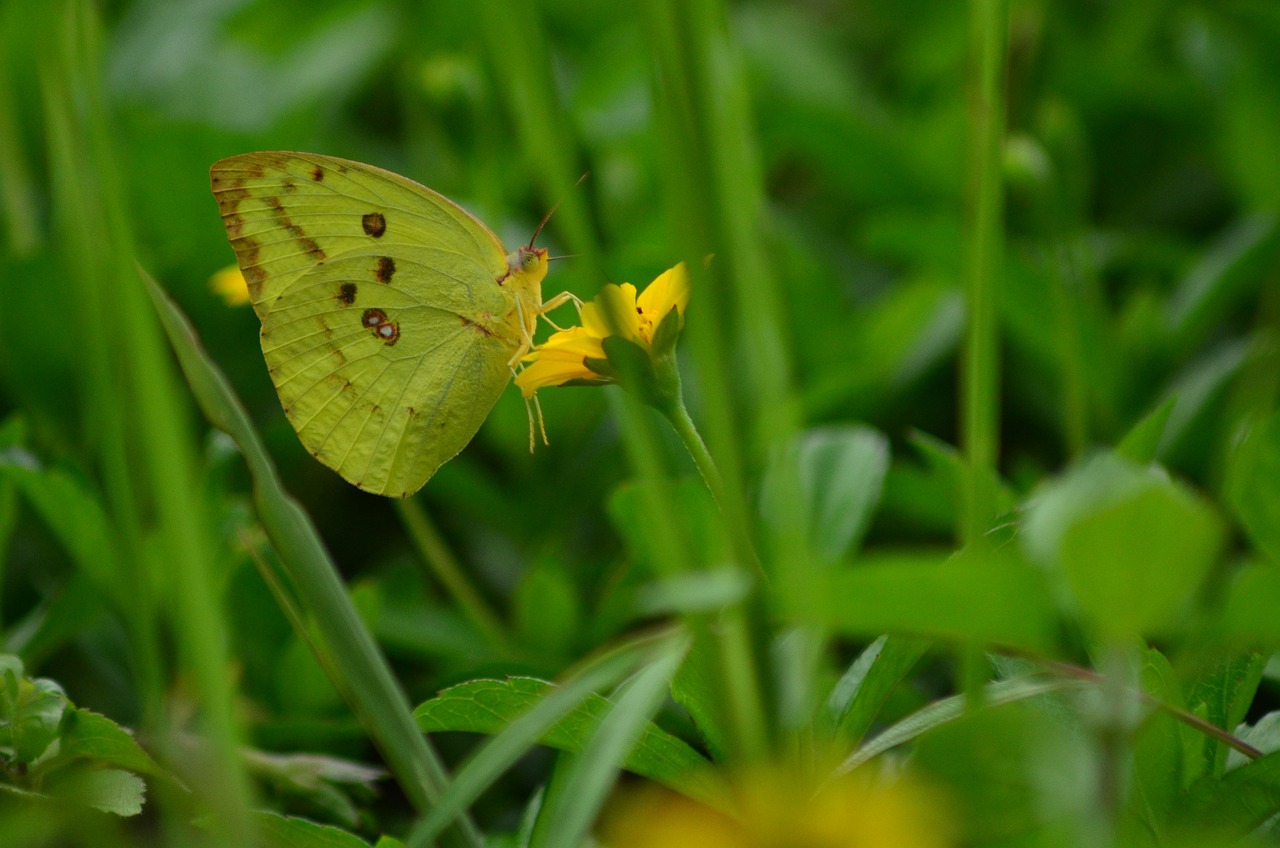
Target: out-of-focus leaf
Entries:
(487, 706)
(699, 520)
(1221, 691)
(1253, 484)
(1263, 734)
(1227, 272)
(547, 610)
(948, 710)
(858, 696)
(839, 472)
(110, 790)
(86, 735)
(1131, 545)
(697, 688)
(30, 711)
(1161, 770)
(75, 515)
(1238, 802)
(988, 597)
(1142, 442)
(1248, 613)
(277, 831)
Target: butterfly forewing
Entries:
(287, 212)
(384, 326)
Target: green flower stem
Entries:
(436, 554)
(692, 440)
(733, 641)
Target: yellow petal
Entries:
(230, 284)
(554, 368)
(574, 339)
(669, 289)
(613, 304)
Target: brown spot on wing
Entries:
(386, 268)
(308, 244)
(347, 294)
(374, 224)
(317, 173)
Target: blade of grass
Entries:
(980, 363)
(593, 772)
(500, 752)
(367, 680)
(146, 403)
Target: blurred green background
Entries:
(1142, 174)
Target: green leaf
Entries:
(1141, 444)
(1131, 545)
(1240, 801)
(615, 738)
(1221, 692)
(277, 831)
(950, 709)
(697, 688)
(987, 597)
(1229, 271)
(487, 706)
(1161, 771)
(524, 730)
(89, 736)
(840, 473)
(1253, 485)
(114, 791)
(861, 692)
(30, 712)
(1263, 734)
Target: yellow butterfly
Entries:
(392, 319)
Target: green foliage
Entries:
(49, 749)
(967, 466)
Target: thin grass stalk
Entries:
(520, 59)
(681, 95)
(433, 550)
(366, 678)
(153, 415)
(983, 267)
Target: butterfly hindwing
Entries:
(384, 382)
(384, 326)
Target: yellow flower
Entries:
(775, 810)
(564, 356)
(230, 284)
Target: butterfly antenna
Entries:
(554, 207)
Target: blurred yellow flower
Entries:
(563, 357)
(230, 284)
(778, 811)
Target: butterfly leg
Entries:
(526, 341)
(556, 302)
(529, 410)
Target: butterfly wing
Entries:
(384, 328)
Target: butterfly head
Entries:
(529, 262)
